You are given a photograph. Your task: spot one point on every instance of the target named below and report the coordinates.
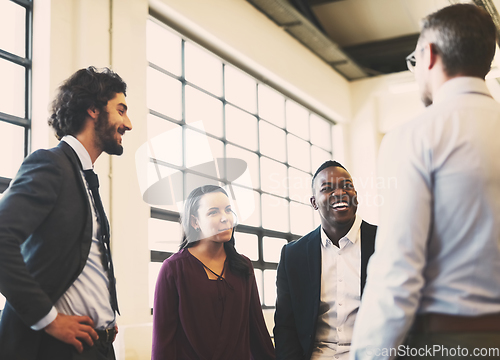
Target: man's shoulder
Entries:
(368, 231)
(365, 224)
(56, 155)
(299, 244)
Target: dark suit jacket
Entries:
(45, 238)
(299, 289)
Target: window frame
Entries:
(27, 63)
(173, 216)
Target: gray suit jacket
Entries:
(45, 238)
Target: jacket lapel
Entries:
(313, 286)
(86, 236)
(368, 233)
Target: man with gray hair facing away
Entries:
(434, 279)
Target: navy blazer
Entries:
(299, 289)
(45, 239)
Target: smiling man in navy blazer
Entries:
(55, 266)
(321, 276)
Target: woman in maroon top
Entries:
(206, 302)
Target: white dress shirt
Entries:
(89, 294)
(438, 242)
(340, 294)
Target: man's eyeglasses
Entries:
(411, 61)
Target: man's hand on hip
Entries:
(72, 329)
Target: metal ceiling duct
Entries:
(286, 16)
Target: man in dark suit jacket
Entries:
(321, 276)
(55, 267)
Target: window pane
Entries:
(319, 156)
(297, 119)
(240, 89)
(164, 94)
(12, 89)
(13, 28)
(247, 244)
(338, 142)
(247, 206)
(301, 218)
(320, 132)
(271, 106)
(164, 187)
(241, 128)
(270, 287)
(299, 185)
(251, 178)
(271, 248)
(165, 140)
(275, 213)
(193, 181)
(164, 235)
(204, 108)
(154, 270)
(273, 177)
(11, 148)
(299, 153)
(272, 141)
(203, 69)
(164, 48)
(202, 149)
(259, 281)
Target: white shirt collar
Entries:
(461, 85)
(352, 235)
(80, 151)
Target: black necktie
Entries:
(93, 183)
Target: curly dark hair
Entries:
(85, 89)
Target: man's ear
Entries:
(93, 112)
(313, 203)
(432, 56)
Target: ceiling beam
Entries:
(321, 2)
(384, 56)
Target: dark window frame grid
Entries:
(26, 62)
(172, 216)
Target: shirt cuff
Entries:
(46, 320)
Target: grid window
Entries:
(299, 186)
(272, 141)
(15, 89)
(271, 106)
(273, 177)
(203, 69)
(241, 128)
(205, 109)
(297, 119)
(240, 89)
(247, 244)
(211, 123)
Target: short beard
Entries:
(105, 135)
